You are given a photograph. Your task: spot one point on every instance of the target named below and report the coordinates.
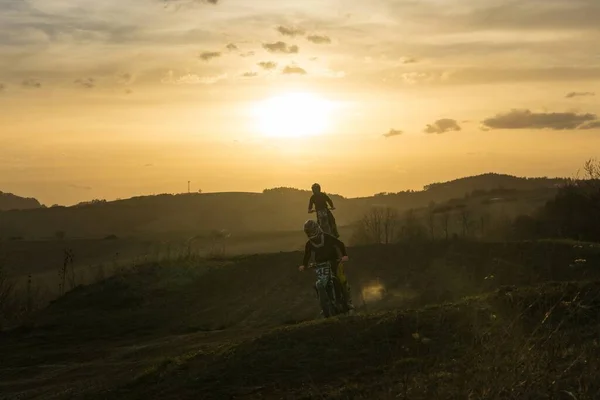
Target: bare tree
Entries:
(592, 169)
(484, 223)
(464, 216)
(378, 226)
(446, 224)
(65, 271)
(444, 214)
(412, 228)
(218, 243)
(390, 223)
(431, 220)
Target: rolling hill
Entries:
(9, 201)
(280, 209)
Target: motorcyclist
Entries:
(325, 248)
(320, 201)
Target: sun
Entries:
(292, 115)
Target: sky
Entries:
(115, 99)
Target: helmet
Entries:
(316, 188)
(312, 229)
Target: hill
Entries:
(9, 201)
(469, 319)
(277, 209)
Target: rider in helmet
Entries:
(320, 201)
(325, 248)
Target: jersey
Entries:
(331, 250)
(319, 201)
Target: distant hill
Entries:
(491, 181)
(278, 209)
(9, 201)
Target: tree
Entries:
(378, 226)
(444, 214)
(412, 228)
(464, 216)
(431, 220)
(218, 243)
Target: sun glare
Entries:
(293, 115)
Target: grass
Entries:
(530, 343)
(462, 320)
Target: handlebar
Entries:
(313, 264)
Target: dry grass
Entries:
(192, 328)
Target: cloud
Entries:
(148, 165)
(409, 60)
(2, 87)
(87, 83)
(293, 70)
(590, 125)
(249, 74)
(443, 125)
(318, 39)
(178, 4)
(267, 65)
(280, 47)
(192, 79)
(32, 83)
(392, 133)
(415, 78)
(209, 55)
(526, 119)
(290, 31)
(232, 47)
(125, 78)
(128, 91)
(579, 94)
(247, 54)
(478, 75)
(497, 16)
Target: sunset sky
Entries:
(108, 99)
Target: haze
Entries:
(108, 99)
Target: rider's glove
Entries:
(301, 268)
(345, 258)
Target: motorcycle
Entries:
(323, 220)
(332, 298)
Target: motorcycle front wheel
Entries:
(326, 304)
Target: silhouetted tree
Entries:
(573, 213)
(431, 220)
(378, 226)
(464, 215)
(412, 228)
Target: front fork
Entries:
(329, 288)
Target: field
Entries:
(96, 259)
(437, 320)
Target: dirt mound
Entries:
(533, 341)
(246, 327)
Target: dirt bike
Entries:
(332, 298)
(323, 220)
